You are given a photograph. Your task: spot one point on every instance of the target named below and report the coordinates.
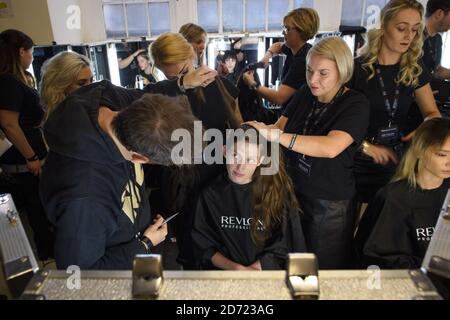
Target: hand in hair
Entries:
(202, 76)
(249, 79)
(269, 132)
(138, 52)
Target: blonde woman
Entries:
(215, 105)
(61, 76)
(299, 26)
(399, 222)
(390, 73)
(196, 36)
(322, 128)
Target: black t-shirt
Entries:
(330, 179)
(399, 224)
(372, 90)
(18, 97)
(294, 69)
(213, 112)
(432, 52)
(222, 224)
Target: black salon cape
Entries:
(222, 225)
(397, 226)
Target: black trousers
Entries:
(328, 229)
(24, 188)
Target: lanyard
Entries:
(390, 109)
(318, 112)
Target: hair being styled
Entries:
(410, 70)
(306, 20)
(192, 32)
(432, 134)
(57, 75)
(335, 49)
(273, 195)
(11, 41)
(146, 126)
(434, 5)
(172, 48)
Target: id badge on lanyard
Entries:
(388, 135)
(304, 164)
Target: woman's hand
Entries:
(269, 132)
(138, 52)
(34, 167)
(276, 47)
(202, 76)
(380, 154)
(222, 69)
(249, 79)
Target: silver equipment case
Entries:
(301, 280)
(19, 262)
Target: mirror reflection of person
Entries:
(146, 70)
(227, 67)
(196, 36)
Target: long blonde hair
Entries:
(173, 48)
(57, 75)
(432, 134)
(410, 70)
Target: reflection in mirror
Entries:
(135, 67)
(99, 60)
(241, 50)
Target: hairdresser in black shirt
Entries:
(300, 25)
(322, 129)
(20, 118)
(390, 74)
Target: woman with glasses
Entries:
(300, 25)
